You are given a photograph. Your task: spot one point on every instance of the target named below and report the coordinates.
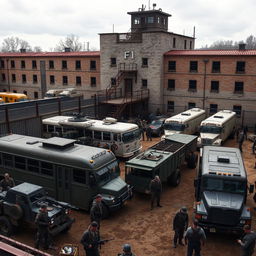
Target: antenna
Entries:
(194, 32)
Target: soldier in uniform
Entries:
(43, 222)
(180, 224)
(6, 183)
(248, 241)
(194, 238)
(127, 251)
(156, 190)
(91, 240)
(96, 212)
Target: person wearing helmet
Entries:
(127, 251)
(96, 212)
(180, 224)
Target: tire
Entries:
(174, 180)
(15, 212)
(64, 231)
(6, 227)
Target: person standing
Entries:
(180, 224)
(149, 133)
(248, 241)
(96, 212)
(91, 240)
(241, 140)
(155, 190)
(6, 183)
(42, 222)
(127, 251)
(194, 238)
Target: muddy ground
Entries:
(150, 232)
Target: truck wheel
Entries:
(174, 180)
(6, 228)
(15, 212)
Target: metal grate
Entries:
(167, 145)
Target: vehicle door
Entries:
(64, 184)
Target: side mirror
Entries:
(195, 182)
(251, 188)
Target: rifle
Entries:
(103, 241)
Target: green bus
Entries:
(69, 172)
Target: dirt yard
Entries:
(150, 232)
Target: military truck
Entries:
(221, 190)
(163, 159)
(22, 203)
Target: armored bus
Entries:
(163, 159)
(69, 172)
(221, 190)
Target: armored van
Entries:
(221, 190)
(163, 159)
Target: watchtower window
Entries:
(136, 20)
(150, 20)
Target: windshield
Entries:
(174, 126)
(221, 185)
(157, 122)
(37, 196)
(131, 136)
(108, 173)
(210, 129)
(50, 95)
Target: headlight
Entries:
(204, 217)
(242, 222)
(52, 221)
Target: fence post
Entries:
(79, 104)
(59, 106)
(7, 120)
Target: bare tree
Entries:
(72, 42)
(37, 49)
(14, 44)
(250, 42)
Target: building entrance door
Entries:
(128, 87)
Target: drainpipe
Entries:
(205, 62)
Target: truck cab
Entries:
(221, 190)
(23, 202)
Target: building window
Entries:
(144, 62)
(2, 64)
(193, 66)
(192, 85)
(136, 21)
(34, 64)
(144, 83)
(240, 67)
(216, 67)
(51, 64)
(12, 64)
(190, 45)
(23, 64)
(3, 77)
(25, 92)
(78, 64)
(64, 80)
(239, 87)
(185, 44)
(36, 95)
(113, 81)
(174, 42)
(215, 86)
(13, 78)
(24, 79)
(35, 79)
(92, 65)
(191, 105)
(93, 81)
(238, 110)
(78, 80)
(170, 106)
(150, 20)
(64, 64)
(171, 84)
(52, 79)
(113, 62)
(213, 108)
(172, 66)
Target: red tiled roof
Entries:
(50, 54)
(211, 52)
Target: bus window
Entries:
(88, 133)
(20, 162)
(50, 128)
(117, 137)
(46, 168)
(33, 165)
(44, 127)
(97, 135)
(106, 136)
(7, 160)
(79, 176)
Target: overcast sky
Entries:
(45, 22)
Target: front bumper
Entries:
(55, 230)
(132, 153)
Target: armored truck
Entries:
(163, 159)
(22, 203)
(221, 190)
